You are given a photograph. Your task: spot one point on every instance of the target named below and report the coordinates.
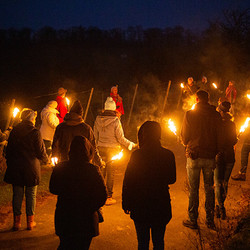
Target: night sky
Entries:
(108, 14)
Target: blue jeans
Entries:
(194, 168)
(109, 170)
(143, 235)
(244, 157)
(221, 177)
(30, 196)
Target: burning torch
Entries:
(14, 114)
(244, 126)
(54, 161)
(116, 157)
(67, 101)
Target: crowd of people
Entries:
(85, 161)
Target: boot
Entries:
(30, 222)
(17, 222)
(239, 177)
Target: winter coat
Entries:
(229, 137)
(118, 101)
(145, 190)
(49, 122)
(62, 108)
(24, 152)
(201, 132)
(81, 192)
(108, 131)
(72, 126)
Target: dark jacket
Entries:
(81, 192)
(72, 126)
(24, 152)
(200, 132)
(229, 137)
(145, 187)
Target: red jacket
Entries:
(61, 107)
(118, 101)
(231, 93)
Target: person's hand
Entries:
(131, 146)
(103, 164)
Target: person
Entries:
(245, 150)
(24, 152)
(72, 126)
(145, 192)
(231, 94)
(200, 134)
(61, 101)
(118, 101)
(49, 123)
(5, 135)
(109, 138)
(225, 159)
(80, 191)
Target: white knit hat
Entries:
(110, 104)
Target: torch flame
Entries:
(15, 112)
(245, 125)
(193, 107)
(118, 156)
(67, 101)
(182, 85)
(171, 126)
(54, 161)
(214, 85)
(248, 96)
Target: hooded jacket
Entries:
(81, 191)
(24, 152)
(145, 190)
(108, 131)
(49, 121)
(72, 126)
(201, 132)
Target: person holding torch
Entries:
(109, 138)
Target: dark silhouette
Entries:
(81, 192)
(145, 193)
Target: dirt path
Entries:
(117, 232)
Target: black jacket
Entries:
(24, 152)
(81, 192)
(145, 187)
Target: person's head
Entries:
(110, 104)
(114, 90)
(190, 80)
(28, 115)
(81, 149)
(231, 82)
(224, 106)
(52, 104)
(77, 108)
(62, 92)
(202, 96)
(149, 131)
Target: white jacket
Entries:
(49, 122)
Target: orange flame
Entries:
(171, 126)
(245, 125)
(214, 85)
(118, 156)
(54, 161)
(15, 112)
(67, 101)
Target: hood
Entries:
(72, 119)
(106, 118)
(81, 150)
(47, 110)
(22, 129)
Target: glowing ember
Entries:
(171, 126)
(182, 85)
(67, 101)
(118, 156)
(248, 96)
(15, 112)
(54, 161)
(214, 85)
(245, 125)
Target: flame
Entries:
(182, 85)
(214, 85)
(193, 107)
(248, 96)
(15, 112)
(245, 125)
(118, 156)
(54, 161)
(67, 101)
(171, 126)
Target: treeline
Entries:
(38, 62)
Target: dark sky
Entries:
(107, 14)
